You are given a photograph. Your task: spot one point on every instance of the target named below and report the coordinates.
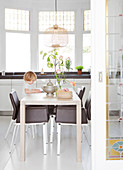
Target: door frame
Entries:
(98, 89)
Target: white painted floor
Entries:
(35, 160)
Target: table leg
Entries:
(22, 131)
(78, 117)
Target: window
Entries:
(87, 20)
(17, 40)
(65, 19)
(16, 19)
(87, 40)
(86, 51)
(17, 52)
(68, 51)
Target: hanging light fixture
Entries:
(56, 36)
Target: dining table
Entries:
(43, 99)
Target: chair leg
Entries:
(29, 129)
(89, 130)
(46, 133)
(8, 130)
(27, 126)
(12, 142)
(16, 134)
(89, 127)
(35, 129)
(51, 128)
(58, 137)
(33, 133)
(82, 134)
(87, 135)
(44, 138)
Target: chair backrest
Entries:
(83, 92)
(80, 93)
(89, 110)
(88, 106)
(87, 100)
(15, 104)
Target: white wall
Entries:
(37, 5)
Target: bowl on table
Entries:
(49, 88)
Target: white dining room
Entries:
(61, 79)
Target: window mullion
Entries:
(34, 39)
(2, 40)
(78, 37)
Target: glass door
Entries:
(114, 80)
(107, 84)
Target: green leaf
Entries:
(48, 59)
(48, 65)
(45, 54)
(41, 52)
(79, 67)
(51, 65)
(54, 57)
(56, 53)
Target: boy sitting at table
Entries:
(30, 79)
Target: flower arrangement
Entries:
(68, 63)
(73, 83)
(56, 62)
(53, 61)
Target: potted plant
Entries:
(79, 68)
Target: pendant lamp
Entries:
(55, 36)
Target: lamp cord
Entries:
(56, 5)
(55, 12)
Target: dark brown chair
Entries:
(52, 111)
(80, 93)
(67, 115)
(88, 107)
(15, 105)
(34, 115)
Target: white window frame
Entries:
(34, 32)
(16, 31)
(69, 32)
(84, 32)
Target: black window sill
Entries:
(46, 75)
